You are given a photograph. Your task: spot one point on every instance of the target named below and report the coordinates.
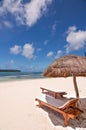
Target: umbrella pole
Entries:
(77, 91)
(75, 86)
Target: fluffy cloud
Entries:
(50, 54)
(27, 13)
(71, 29)
(76, 39)
(59, 54)
(27, 50)
(13, 7)
(15, 49)
(34, 10)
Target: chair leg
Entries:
(66, 118)
(39, 103)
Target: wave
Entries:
(4, 76)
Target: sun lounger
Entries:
(68, 110)
(53, 93)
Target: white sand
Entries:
(18, 110)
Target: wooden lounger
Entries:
(53, 93)
(68, 110)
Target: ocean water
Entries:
(7, 76)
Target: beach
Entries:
(19, 111)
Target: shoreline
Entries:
(8, 76)
(13, 80)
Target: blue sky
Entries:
(33, 33)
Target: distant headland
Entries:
(9, 70)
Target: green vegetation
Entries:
(8, 70)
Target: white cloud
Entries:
(50, 54)
(34, 10)
(28, 51)
(15, 49)
(15, 8)
(46, 42)
(76, 39)
(27, 13)
(7, 24)
(71, 29)
(59, 54)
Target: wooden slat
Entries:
(53, 93)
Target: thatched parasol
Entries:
(69, 65)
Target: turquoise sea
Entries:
(7, 76)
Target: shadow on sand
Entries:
(58, 119)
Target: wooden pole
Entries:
(75, 86)
(77, 92)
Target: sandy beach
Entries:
(18, 110)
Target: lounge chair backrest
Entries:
(69, 104)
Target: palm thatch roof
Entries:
(67, 66)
